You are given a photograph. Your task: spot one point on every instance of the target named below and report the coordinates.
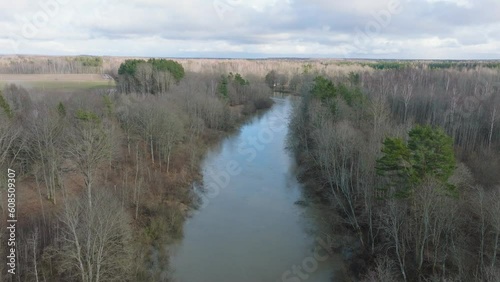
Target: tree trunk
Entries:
(137, 203)
(40, 195)
(151, 148)
(495, 248)
(35, 238)
(168, 160)
(492, 124)
(137, 184)
(89, 190)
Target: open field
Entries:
(58, 81)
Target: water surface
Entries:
(250, 227)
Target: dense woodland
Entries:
(408, 160)
(405, 155)
(103, 177)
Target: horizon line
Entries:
(252, 58)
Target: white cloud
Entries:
(460, 3)
(251, 28)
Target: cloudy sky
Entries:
(399, 29)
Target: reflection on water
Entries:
(249, 227)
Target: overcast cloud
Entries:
(404, 29)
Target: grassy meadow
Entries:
(57, 82)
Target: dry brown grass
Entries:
(67, 83)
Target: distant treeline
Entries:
(259, 67)
(62, 65)
(460, 65)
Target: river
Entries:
(252, 225)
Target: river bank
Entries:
(250, 225)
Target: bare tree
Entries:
(47, 147)
(337, 156)
(479, 203)
(89, 146)
(95, 239)
(10, 143)
(393, 220)
(383, 271)
(379, 109)
(138, 182)
(171, 131)
(407, 95)
(34, 243)
(125, 117)
(493, 217)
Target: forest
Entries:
(407, 159)
(403, 156)
(105, 175)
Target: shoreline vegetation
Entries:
(405, 163)
(120, 160)
(106, 177)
